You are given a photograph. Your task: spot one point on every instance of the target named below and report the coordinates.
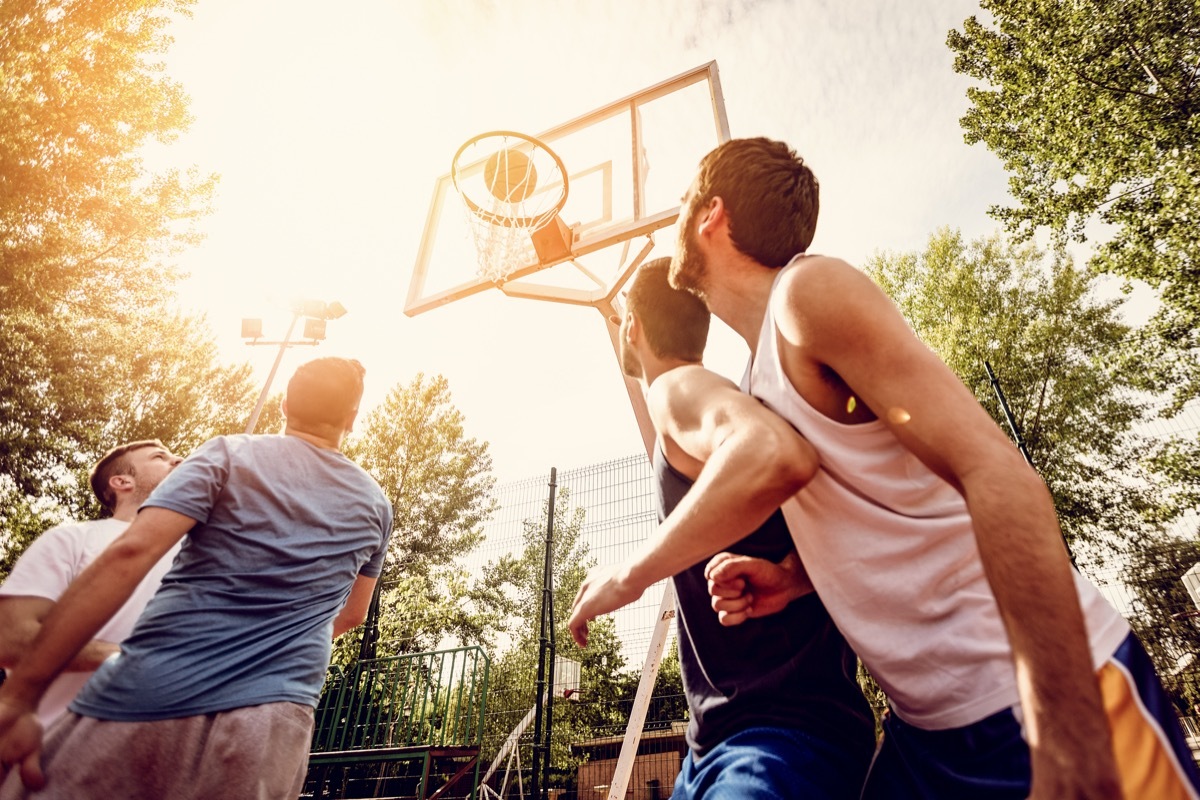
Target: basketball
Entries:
(510, 175)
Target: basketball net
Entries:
(512, 186)
(501, 250)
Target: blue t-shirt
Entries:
(245, 615)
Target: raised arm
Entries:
(863, 339)
(745, 460)
(90, 600)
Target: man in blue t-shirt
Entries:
(283, 539)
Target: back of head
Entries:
(675, 321)
(324, 394)
(770, 194)
(115, 462)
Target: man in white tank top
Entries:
(934, 546)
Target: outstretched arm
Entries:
(749, 461)
(865, 341)
(90, 600)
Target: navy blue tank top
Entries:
(789, 670)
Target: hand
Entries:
(1076, 767)
(21, 743)
(743, 587)
(603, 591)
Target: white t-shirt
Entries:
(46, 569)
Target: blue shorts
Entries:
(989, 759)
(771, 763)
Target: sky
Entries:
(329, 124)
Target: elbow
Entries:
(347, 622)
(789, 464)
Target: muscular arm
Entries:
(357, 605)
(90, 600)
(863, 339)
(20, 621)
(746, 462)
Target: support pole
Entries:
(262, 397)
(541, 744)
(1012, 423)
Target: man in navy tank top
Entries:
(775, 710)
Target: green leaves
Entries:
(92, 348)
(1093, 108)
(438, 479)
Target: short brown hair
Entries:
(771, 196)
(675, 321)
(325, 391)
(115, 462)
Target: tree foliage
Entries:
(437, 478)
(1093, 108)
(1164, 614)
(1055, 350)
(94, 350)
(603, 681)
(439, 482)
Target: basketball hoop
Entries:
(512, 186)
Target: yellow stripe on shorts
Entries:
(1145, 759)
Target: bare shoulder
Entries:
(823, 301)
(684, 391)
(811, 283)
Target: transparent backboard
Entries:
(627, 165)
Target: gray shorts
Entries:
(256, 753)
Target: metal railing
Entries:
(417, 700)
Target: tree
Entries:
(87, 238)
(1055, 348)
(603, 682)
(1164, 614)
(439, 483)
(1092, 107)
(437, 478)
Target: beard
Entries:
(689, 266)
(630, 364)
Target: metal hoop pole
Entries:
(262, 397)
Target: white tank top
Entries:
(891, 551)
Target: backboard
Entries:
(627, 164)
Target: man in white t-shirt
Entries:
(121, 480)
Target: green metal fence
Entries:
(403, 726)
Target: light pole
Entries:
(316, 313)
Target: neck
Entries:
(653, 367)
(126, 511)
(325, 441)
(739, 297)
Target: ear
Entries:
(283, 407)
(711, 217)
(633, 330)
(120, 483)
